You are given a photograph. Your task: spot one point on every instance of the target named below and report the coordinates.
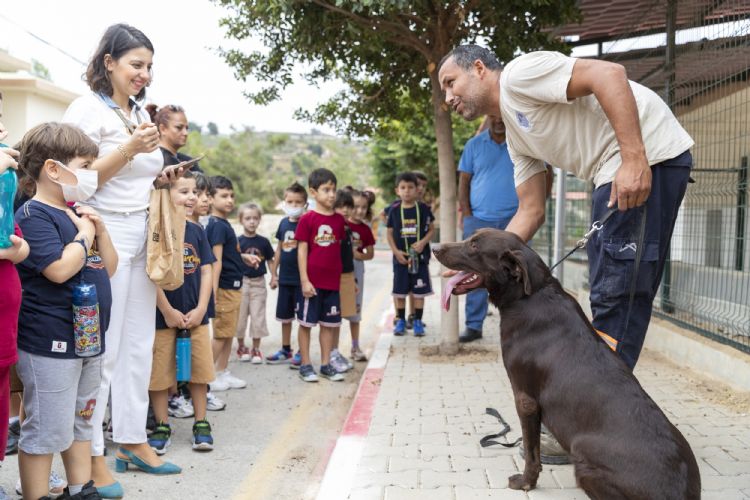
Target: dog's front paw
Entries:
(521, 482)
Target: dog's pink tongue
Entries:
(445, 298)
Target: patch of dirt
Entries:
(710, 389)
(465, 354)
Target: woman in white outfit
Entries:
(129, 163)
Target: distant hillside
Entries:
(262, 164)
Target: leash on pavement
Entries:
(489, 439)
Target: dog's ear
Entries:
(514, 261)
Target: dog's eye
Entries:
(473, 246)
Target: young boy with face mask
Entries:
(286, 274)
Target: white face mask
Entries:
(293, 211)
(87, 182)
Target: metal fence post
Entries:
(559, 223)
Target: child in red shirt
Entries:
(319, 233)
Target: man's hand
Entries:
(308, 290)
(631, 185)
(402, 258)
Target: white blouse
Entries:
(129, 189)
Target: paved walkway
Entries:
(429, 414)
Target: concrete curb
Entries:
(344, 460)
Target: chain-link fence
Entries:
(696, 55)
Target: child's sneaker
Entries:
(418, 328)
(330, 373)
(179, 407)
(234, 382)
(243, 353)
(256, 357)
(307, 373)
(219, 384)
(213, 403)
(202, 439)
(296, 361)
(56, 485)
(410, 322)
(160, 439)
(337, 362)
(282, 356)
(400, 327)
(358, 355)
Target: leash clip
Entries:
(596, 226)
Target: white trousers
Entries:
(126, 365)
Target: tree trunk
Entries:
(447, 169)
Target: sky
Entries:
(187, 70)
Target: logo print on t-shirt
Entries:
(523, 122)
(409, 228)
(190, 259)
(94, 260)
(356, 239)
(289, 244)
(325, 236)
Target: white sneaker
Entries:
(219, 384)
(257, 357)
(179, 407)
(232, 381)
(56, 485)
(213, 403)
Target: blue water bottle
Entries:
(8, 183)
(183, 355)
(86, 331)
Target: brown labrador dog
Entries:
(565, 376)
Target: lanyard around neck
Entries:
(416, 236)
(129, 125)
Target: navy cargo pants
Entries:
(612, 250)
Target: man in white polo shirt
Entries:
(586, 117)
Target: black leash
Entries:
(489, 439)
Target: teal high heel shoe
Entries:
(113, 490)
(121, 464)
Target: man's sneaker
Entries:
(418, 328)
(256, 357)
(410, 322)
(219, 384)
(213, 403)
(307, 373)
(296, 361)
(330, 373)
(358, 355)
(282, 356)
(551, 453)
(234, 382)
(202, 439)
(400, 327)
(56, 485)
(161, 438)
(243, 353)
(179, 407)
(14, 433)
(338, 362)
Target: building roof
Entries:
(605, 20)
(34, 85)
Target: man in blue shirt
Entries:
(487, 196)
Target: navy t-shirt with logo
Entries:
(259, 246)
(405, 228)
(45, 321)
(221, 232)
(196, 252)
(288, 267)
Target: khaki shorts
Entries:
(227, 313)
(348, 294)
(164, 369)
(253, 305)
